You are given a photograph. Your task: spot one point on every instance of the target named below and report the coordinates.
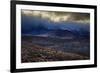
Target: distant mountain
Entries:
(65, 34)
(43, 27)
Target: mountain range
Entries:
(43, 27)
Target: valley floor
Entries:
(33, 51)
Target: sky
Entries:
(59, 16)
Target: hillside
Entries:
(34, 53)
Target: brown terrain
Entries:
(35, 53)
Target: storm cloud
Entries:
(59, 16)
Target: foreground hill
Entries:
(35, 53)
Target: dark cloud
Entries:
(60, 16)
